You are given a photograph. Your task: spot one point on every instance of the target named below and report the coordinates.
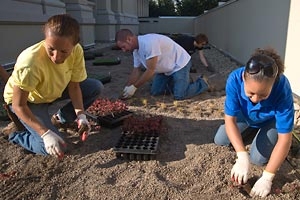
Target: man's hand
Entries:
(210, 68)
(263, 185)
(52, 143)
(239, 171)
(129, 91)
(83, 126)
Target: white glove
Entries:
(52, 143)
(129, 91)
(81, 122)
(239, 171)
(263, 185)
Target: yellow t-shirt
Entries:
(44, 80)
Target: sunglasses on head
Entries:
(262, 64)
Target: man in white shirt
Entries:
(165, 61)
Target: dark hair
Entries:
(122, 34)
(265, 56)
(63, 25)
(201, 38)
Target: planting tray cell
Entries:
(137, 146)
(112, 120)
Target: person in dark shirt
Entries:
(191, 44)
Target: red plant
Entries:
(104, 106)
(143, 124)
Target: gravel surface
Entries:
(187, 165)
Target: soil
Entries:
(187, 164)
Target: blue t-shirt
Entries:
(278, 106)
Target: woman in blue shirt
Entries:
(258, 95)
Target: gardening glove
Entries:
(239, 171)
(129, 91)
(52, 143)
(83, 126)
(263, 185)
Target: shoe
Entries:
(55, 119)
(206, 80)
(10, 128)
(66, 127)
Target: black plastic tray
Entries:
(137, 146)
(111, 121)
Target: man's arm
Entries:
(136, 82)
(202, 58)
(134, 76)
(149, 73)
(204, 62)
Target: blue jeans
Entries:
(262, 144)
(178, 84)
(31, 140)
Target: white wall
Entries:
(243, 25)
(292, 47)
(167, 25)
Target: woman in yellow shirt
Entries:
(51, 70)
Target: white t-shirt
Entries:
(171, 56)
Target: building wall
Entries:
(292, 47)
(241, 26)
(21, 24)
(21, 21)
(167, 25)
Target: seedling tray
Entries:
(137, 146)
(111, 120)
